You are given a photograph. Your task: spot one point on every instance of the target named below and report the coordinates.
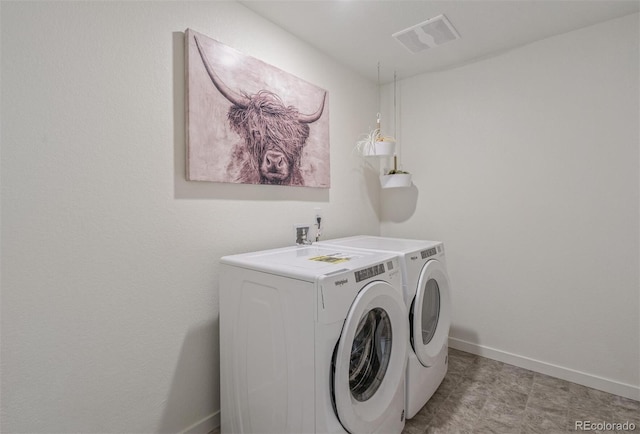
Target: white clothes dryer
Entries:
(427, 296)
(312, 340)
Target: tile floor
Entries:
(483, 396)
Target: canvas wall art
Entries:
(250, 122)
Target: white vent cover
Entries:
(428, 34)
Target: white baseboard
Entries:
(205, 425)
(589, 380)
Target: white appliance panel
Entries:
(369, 415)
(281, 317)
(420, 262)
(433, 278)
(267, 326)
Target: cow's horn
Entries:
(307, 119)
(234, 97)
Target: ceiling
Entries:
(357, 33)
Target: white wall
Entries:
(109, 257)
(529, 172)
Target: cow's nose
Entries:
(274, 159)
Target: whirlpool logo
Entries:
(341, 282)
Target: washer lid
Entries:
(431, 313)
(370, 242)
(306, 262)
(370, 358)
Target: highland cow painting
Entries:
(249, 122)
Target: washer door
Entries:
(430, 314)
(370, 358)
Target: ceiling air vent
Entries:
(428, 34)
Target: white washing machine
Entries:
(312, 340)
(427, 297)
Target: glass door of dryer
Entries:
(430, 314)
(369, 358)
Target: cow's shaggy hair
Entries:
(266, 124)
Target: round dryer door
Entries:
(370, 358)
(430, 313)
